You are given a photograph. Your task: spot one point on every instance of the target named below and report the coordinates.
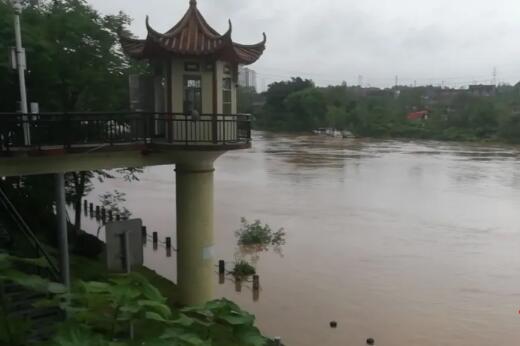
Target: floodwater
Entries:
(407, 242)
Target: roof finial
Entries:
(193, 3)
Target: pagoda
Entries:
(189, 120)
(195, 67)
(194, 83)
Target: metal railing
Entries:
(75, 129)
(32, 239)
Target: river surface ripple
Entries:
(408, 242)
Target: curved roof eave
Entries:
(193, 36)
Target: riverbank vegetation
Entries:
(102, 305)
(121, 310)
(481, 112)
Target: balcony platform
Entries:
(89, 141)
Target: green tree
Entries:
(307, 109)
(74, 60)
(275, 114)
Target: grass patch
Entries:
(86, 269)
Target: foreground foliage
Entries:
(102, 314)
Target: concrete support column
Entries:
(63, 240)
(195, 272)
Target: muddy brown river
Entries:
(407, 242)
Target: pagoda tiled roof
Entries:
(192, 36)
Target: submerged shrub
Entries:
(256, 234)
(242, 270)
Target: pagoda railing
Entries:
(70, 130)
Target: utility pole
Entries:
(495, 76)
(360, 81)
(396, 80)
(21, 66)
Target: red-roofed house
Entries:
(420, 115)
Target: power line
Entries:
(451, 81)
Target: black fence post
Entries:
(146, 135)
(224, 129)
(186, 129)
(214, 128)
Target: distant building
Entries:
(483, 90)
(247, 77)
(421, 115)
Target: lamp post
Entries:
(21, 67)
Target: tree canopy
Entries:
(73, 56)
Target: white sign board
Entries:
(118, 245)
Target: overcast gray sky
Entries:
(428, 41)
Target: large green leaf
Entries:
(73, 335)
(150, 315)
(38, 262)
(186, 336)
(192, 339)
(237, 319)
(97, 287)
(56, 288)
(157, 307)
(184, 321)
(32, 282)
(250, 336)
(161, 342)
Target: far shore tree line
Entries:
(298, 105)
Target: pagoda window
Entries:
(226, 96)
(192, 94)
(192, 67)
(227, 69)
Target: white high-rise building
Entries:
(247, 77)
